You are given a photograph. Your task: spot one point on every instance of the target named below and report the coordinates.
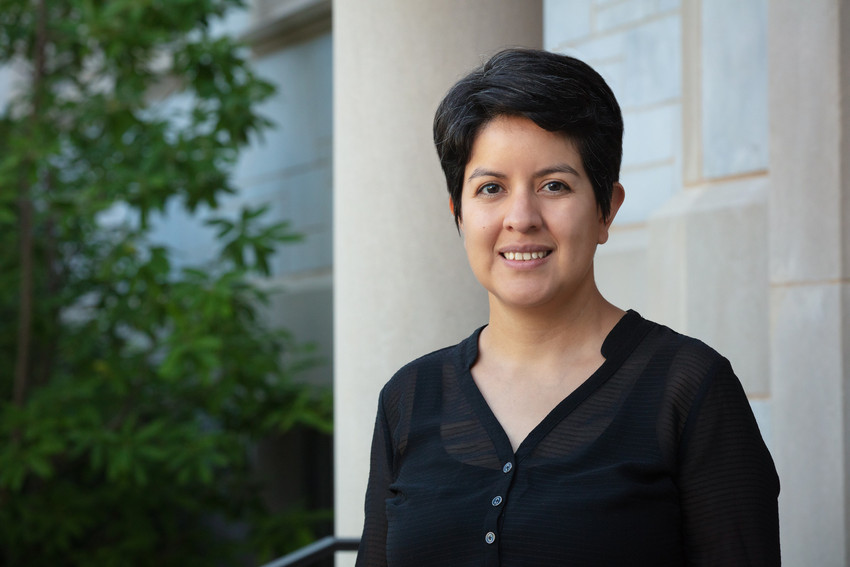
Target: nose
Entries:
(523, 212)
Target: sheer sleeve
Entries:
(728, 482)
(373, 544)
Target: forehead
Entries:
(515, 140)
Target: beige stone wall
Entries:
(809, 275)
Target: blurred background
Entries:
(214, 215)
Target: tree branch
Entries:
(25, 205)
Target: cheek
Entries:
(482, 235)
(478, 241)
(479, 229)
(581, 225)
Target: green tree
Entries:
(130, 390)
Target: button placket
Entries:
(496, 509)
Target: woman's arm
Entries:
(727, 479)
(373, 544)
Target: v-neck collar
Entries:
(618, 344)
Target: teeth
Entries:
(525, 255)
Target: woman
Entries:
(566, 431)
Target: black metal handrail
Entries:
(309, 554)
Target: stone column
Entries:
(401, 283)
(809, 263)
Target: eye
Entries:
(489, 189)
(556, 187)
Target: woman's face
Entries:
(529, 216)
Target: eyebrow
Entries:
(558, 168)
(481, 172)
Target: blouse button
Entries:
(496, 501)
(490, 537)
(507, 468)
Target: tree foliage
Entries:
(130, 389)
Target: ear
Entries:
(618, 195)
(452, 211)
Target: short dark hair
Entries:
(559, 93)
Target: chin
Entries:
(528, 300)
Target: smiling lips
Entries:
(526, 255)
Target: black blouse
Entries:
(655, 460)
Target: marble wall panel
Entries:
(621, 14)
(647, 189)
(309, 309)
(620, 267)
(301, 109)
(807, 157)
(734, 87)
(651, 134)
(653, 62)
(565, 21)
(666, 5)
(809, 397)
(305, 199)
(595, 49)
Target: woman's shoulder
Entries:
(689, 368)
(693, 385)
(683, 365)
(688, 354)
(684, 352)
(428, 370)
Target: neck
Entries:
(539, 334)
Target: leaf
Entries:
(40, 466)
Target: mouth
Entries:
(525, 256)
